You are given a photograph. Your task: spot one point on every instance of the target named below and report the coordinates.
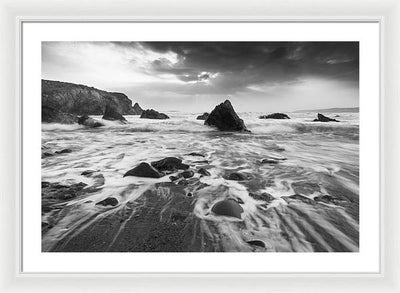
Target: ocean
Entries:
(307, 200)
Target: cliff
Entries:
(79, 99)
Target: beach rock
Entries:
(322, 118)
(228, 207)
(225, 118)
(262, 196)
(63, 192)
(204, 116)
(89, 122)
(109, 201)
(174, 178)
(136, 109)
(200, 162)
(52, 115)
(64, 151)
(143, 170)
(183, 182)
(153, 114)
(47, 154)
(81, 100)
(112, 114)
(169, 164)
(189, 194)
(237, 176)
(204, 172)
(187, 174)
(88, 172)
(257, 243)
(196, 154)
(269, 161)
(275, 116)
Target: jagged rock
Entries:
(89, 122)
(225, 118)
(203, 116)
(81, 100)
(275, 116)
(169, 164)
(204, 172)
(112, 114)
(237, 176)
(228, 207)
(143, 170)
(109, 201)
(137, 110)
(322, 118)
(52, 115)
(153, 114)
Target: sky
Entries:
(196, 76)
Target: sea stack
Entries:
(322, 118)
(153, 114)
(137, 110)
(275, 116)
(225, 118)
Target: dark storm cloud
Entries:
(240, 64)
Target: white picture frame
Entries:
(386, 13)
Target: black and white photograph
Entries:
(200, 146)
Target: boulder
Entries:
(89, 122)
(153, 114)
(52, 115)
(187, 174)
(256, 242)
(225, 118)
(203, 116)
(144, 170)
(169, 164)
(112, 114)
(228, 207)
(136, 109)
(237, 176)
(109, 201)
(275, 116)
(322, 118)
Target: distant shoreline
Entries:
(332, 110)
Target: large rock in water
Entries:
(144, 170)
(82, 100)
(89, 122)
(228, 207)
(137, 110)
(322, 118)
(225, 118)
(169, 164)
(51, 115)
(153, 114)
(203, 116)
(275, 116)
(113, 115)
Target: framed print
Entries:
(205, 147)
(166, 181)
